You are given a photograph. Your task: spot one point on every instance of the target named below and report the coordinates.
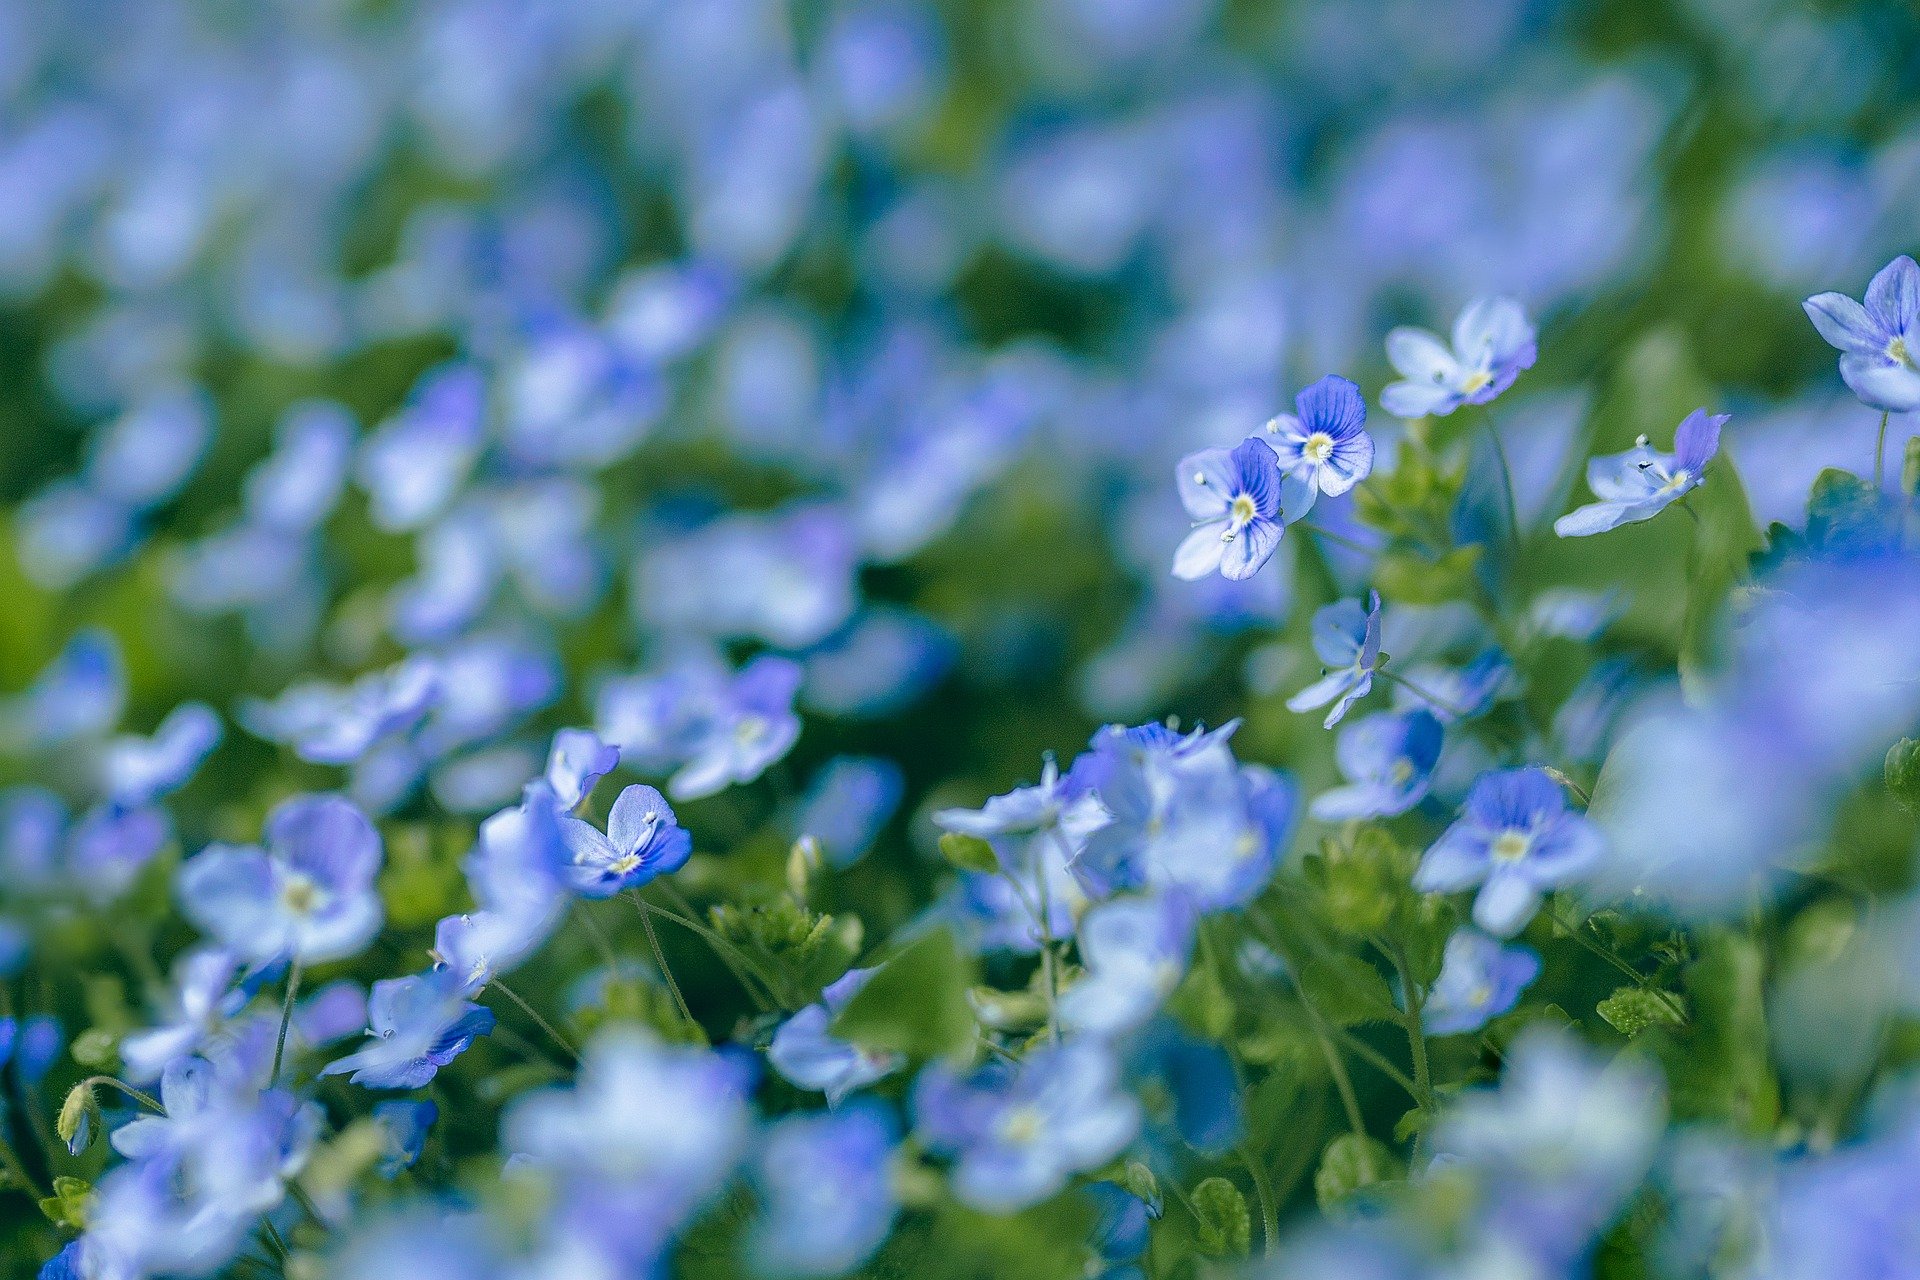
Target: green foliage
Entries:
(916, 1003)
(67, 1206)
(1351, 1164)
(1224, 1228)
(1902, 773)
(1631, 1010)
(969, 853)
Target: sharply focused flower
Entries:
(806, 1055)
(1480, 979)
(1327, 444)
(828, 1184)
(1018, 1133)
(1516, 838)
(309, 894)
(1346, 636)
(1493, 341)
(1240, 504)
(417, 1025)
(1388, 759)
(1879, 343)
(643, 840)
(1642, 482)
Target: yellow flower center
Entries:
(300, 895)
(1318, 448)
(1898, 353)
(1021, 1126)
(1476, 380)
(1511, 846)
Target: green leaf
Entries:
(969, 853)
(1138, 1181)
(1347, 990)
(1903, 771)
(1225, 1227)
(67, 1206)
(916, 1003)
(1631, 1010)
(1910, 468)
(1350, 1164)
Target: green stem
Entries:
(1579, 792)
(140, 1096)
(1506, 482)
(1880, 453)
(1377, 1060)
(735, 959)
(553, 1032)
(1457, 713)
(1269, 1211)
(600, 943)
(1342, 1082)
(1416, 1031)
(1608, 954)
(1341, 539)
(666, 972)
(286, 1019)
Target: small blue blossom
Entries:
(309, 894)
(139, 770)
(331, 724)
(77, 695)
(1017, 1133)
(1454, 693)
(417, 1025)
(406, 1123)
(807, 1056)
(578, 760)
(519, 874)
(1240, 504)
(41, 1040)
(109, 847)
(827, 1184)
(412, 465)
(1346, 637)
(643, 841)
(1480, 979)
(1879, 343)
(753, 726)
(1135, 952)
(1516, 838)
(1493, 341)
(847, 804)
(1641, 483)
(1327, 444)
(205, 996)
(1388, 759)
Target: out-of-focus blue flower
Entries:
(407, 1123)
(643, 841)
(847, 803)
(518, 876)
(1455, 693)
(412, 466)
(1135, 953)
(331, 724)
(883, 661)
(805, 1055)
(1642, 482)
(578, 760)
(78, 695)
(787, 579)
(41, 1040)
(666, 311)
(1493, 341)
(67, 531)
(33, 827)
(143, 457)
(417, 1025)
(1018, 1133)
(298, 485)
(1849, 1214)
(139, 770)
(1388, 759)
(574, 398)
(1558, 1147)
(1516, 838)
(646, 1134)
(334, 1012)
(1346, 636)
(1480, 979)
(827, 1183)
(204, 998)
(1240, 504)
(1879, 343)
(1327, 444)
(110, 846)
(308, 895)
(752, 727)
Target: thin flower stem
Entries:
(1458, 713)
(738, 962)
(1416, 1032)
(666, 971)
(553, 1032)
(1579, 792)
(1263, 1192)
(1506, 481)
(140, 1096)
(1377, 1060)
(1880, 452)
(286, 1019)
(1340, 539)
(1578, 934)
(279, 1246)
(1342, 1083)
(599, 936)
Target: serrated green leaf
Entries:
(1347, 990)
(1902, 772)
(1225, 1228)
(1631, 1010)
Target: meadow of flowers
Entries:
(1149, 639)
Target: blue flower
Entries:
(1347, 639)
(413, 465)
(578, 760)
(406, 1123)
(1135, 952)
(518, 874)
(111, 845)
(1388, 759)
(1641, 483)
(643, 841)
(827, 1185)
(204, 998)
(1327, 444)
(139, 770)
(329, 724)
(418, 1025)
(1454, 693)
(1240, 506)
(1018, 1133)
(1493, 341)
(752, 726)
(77, 695)
(1879, 342)
(1480, 979)
(1516, 838)
(847, 804)
(41, 1040)
(807, 1056)
(309, 894)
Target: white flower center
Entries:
(1476, 380)
(1898, 353)
(1239, 516)
(1318, 448)
(1511, 846)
